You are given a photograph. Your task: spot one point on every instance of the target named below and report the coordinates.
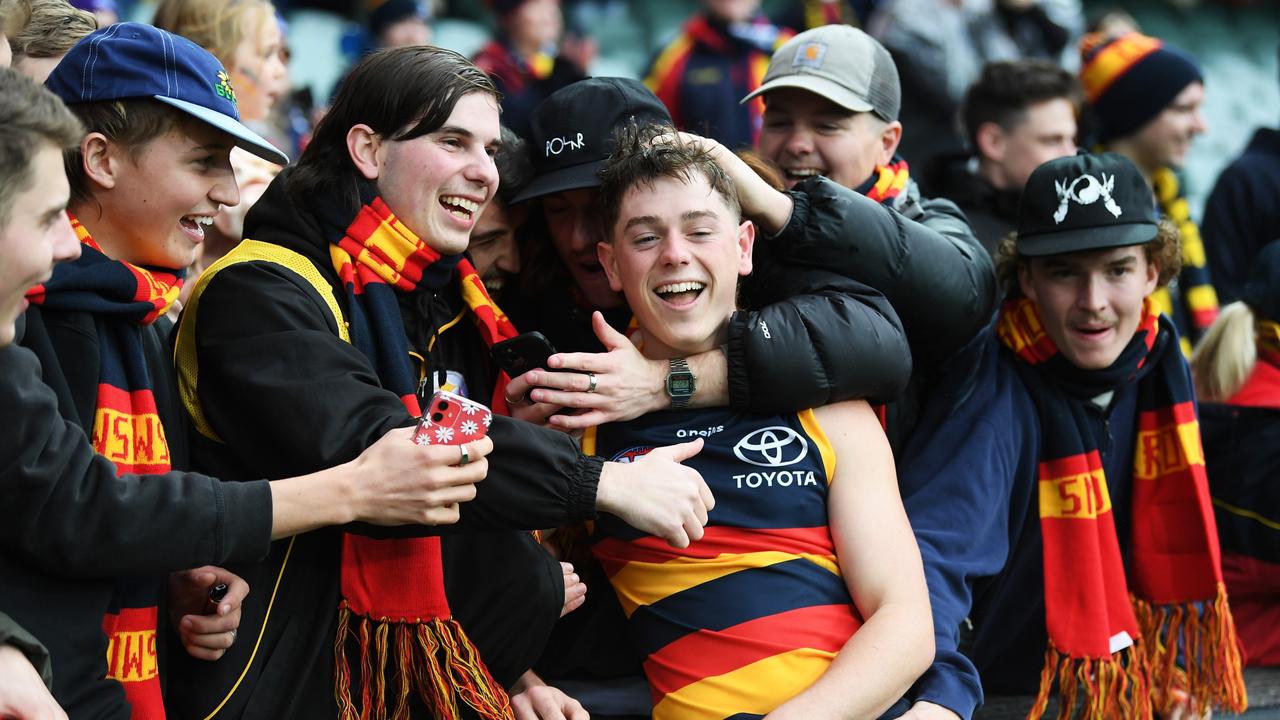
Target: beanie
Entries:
(385, 13)
(1128, 80)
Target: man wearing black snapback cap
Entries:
(1056, 482)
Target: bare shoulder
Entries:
(851, 417)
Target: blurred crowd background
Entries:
(1235, 41)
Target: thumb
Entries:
(610, 338)
(683, 451)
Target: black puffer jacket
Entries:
(921, 255)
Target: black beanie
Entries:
(1129, 80)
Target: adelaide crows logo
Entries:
(633, 454)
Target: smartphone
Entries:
(522, 353)
(451, 419)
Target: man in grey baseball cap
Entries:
(831, 98)
(831, 106)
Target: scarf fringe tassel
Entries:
(433, 658)
(1106, 686)
(1213, 675)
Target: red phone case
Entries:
(451, 419)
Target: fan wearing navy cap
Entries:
(1056, 484)
(151, 172)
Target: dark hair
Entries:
(131, 123)
(400, 93)
(640, 159)
(1007, 89)
(515, 167)
(1165, 249)
(32, 117)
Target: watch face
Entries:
(680, 385)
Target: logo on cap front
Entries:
(1092, 191)
(810, 54)
(557, 145)
(224, 89)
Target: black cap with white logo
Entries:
(572, 131)
(1085, 202)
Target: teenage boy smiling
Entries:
(71, 527)
(806, 596)
(352, 286)
(1056, 483)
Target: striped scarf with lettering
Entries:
(393, 601)
(122, 298)
(1115, 640)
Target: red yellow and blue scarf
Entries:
(887, 182)
(394, 603)
(1114, 640)
(126, 429)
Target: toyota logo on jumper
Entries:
(775, 446)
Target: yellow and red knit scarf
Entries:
(887, 182)
(1266, 334)
(1197, 302)
(394, 606)
(122, 298)
(1115, 641)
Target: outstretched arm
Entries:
(881, 566)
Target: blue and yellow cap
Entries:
(135, 60)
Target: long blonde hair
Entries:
(215, 25)
(1226, 355)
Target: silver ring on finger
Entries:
(466, 455)
(592, 385)
(233, 636)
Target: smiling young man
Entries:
(1146, 96)
(792, 301)
(347, 305)
(151, 170)
(1017, 115)
(832, 98)
(1056, 484)
(493, 247)
(805, 598)
(71, 527)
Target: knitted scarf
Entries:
(126, 429)
(1197, 303)
(394, 604)
(1114, 641)
(887, 182)
(1266, 334)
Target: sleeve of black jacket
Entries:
(12, 634)
(66, 512)
(927, 262)
(825, 338)
(288, 397)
